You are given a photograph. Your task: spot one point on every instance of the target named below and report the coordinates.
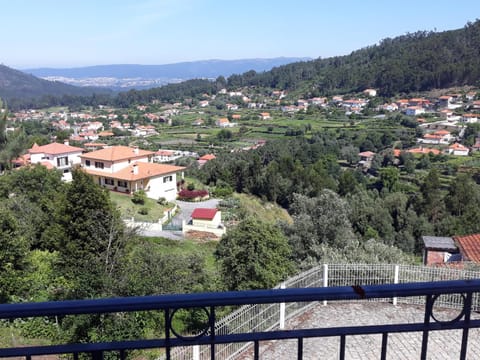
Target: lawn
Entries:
(128, 209)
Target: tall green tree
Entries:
(13, 254)
(431, 203)
(12, 144)
(319, 223)
(94, 240)
(254, 255)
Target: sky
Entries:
(73, 33)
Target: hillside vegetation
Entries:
(413, 62)
(16, 84)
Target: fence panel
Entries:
(262, 317)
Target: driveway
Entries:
(184, 213)
(186, 208)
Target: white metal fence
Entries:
(264, 317)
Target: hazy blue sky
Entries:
(69, 33)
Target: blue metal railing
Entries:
(169, 304)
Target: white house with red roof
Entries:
(470, 118)
(162, 156)
(205, 220)
(126, 169)
(437, 137)
(56, 155)
(458, 149)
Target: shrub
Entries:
(139, 197)
(143, 211)
(162, 201)
(223, 191)
(192, 194)
(191, 187)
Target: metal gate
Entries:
(173, 225)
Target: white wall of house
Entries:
(110, 167)
(162, 186)
(62, 162)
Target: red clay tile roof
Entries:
(469, 246)
(207, 157)
(117, 153)
(204, 213)
(144, 171)
(54, 148)
(457, 146)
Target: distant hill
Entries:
(124, 75)
(414, 62)
(15, 84)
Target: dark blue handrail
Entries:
(141, 303)
(169, 303)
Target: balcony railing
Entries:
(432, 292)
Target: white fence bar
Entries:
(325, 280)
(281, 322)
(395, 281)
(196, 352)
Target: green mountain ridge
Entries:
(16, 84)
(414, 62)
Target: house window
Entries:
(122, 183)
(62, 161)
(99, 165)
(167, 178)
(109, 181)
(66, 171)
(87, 162)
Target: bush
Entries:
(223, 191)
(191, 187)
(192, 194)
(162, 201)
(143, 211)
(139, 197)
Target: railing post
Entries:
(395, 281)
(282, 311)
(325, 280)
(196, 352)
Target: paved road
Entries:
(442, 345)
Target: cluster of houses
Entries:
(117, 168)
(126, 170)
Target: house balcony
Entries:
(261, 318)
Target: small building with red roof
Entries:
(207, 220)
(451, 250)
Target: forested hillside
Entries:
(413, 62)
(16, 84)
